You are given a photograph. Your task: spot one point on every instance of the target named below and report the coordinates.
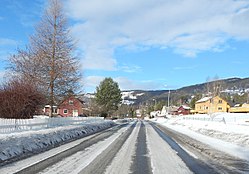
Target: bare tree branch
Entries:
(49, 61)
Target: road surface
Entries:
(139, 147)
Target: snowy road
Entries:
(138, 147)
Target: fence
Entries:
(233, 118)
(17, 125)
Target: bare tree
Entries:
(49, 60)
(208, 81)
(217, 85)
(214, 86)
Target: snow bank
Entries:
(227, 130)
(232, 128)
(27, 143)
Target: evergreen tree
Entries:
(108, 96)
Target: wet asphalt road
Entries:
(208, 160)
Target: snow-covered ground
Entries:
(225, 132)
(163, 158)
(74, 164)
(25, 143)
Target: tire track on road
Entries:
(141, 161)
(47, 162)
(101, 162)
(193, 164)
(123, 159)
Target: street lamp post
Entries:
(155, 103)
(168, 101)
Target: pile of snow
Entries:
(42, 122)
(21, 144)
(223, 131)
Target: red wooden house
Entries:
(184, 110)
(70, 106)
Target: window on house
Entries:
(220, 101)
(219, 108)
(207, 108)
(70, 102)
(65, 111)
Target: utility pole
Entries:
(168, 101)
(154, 104)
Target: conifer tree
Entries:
(108, 96)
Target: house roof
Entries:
(71, 96)
(186, 107)
(208, 98)
(173, 109)
(203, 99)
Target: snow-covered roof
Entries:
(186, 107)
(204, 99)
(48, 106)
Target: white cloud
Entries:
(128, 84)
(187, 26)
(7, 42)
(184, 68)
(130, 68)
(239, 24)
(91, 82)
(97, 58)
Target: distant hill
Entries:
(228, 86)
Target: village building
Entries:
(70, 106)
(172, 110)
(183, 110)
(244, 108)
(208, 105)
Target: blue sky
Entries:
(146, 44)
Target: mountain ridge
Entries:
(230, 86)
(233, 85)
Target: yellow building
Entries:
(210, 105)
(244, 108)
